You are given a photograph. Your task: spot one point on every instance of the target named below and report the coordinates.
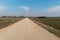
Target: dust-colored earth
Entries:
(26, 30)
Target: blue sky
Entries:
(30, 7)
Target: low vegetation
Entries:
(53, 24)
(4, 22)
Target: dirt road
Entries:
(26, 30)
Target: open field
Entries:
(8, 21)
(52, 24)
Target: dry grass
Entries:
(51, 24)
(4, 22)
(54, 22)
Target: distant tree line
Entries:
(42, 17)
(12, 16)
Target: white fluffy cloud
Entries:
(25, 8)
(53, 9)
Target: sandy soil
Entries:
(26, 30)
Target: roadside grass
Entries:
(4, 22)
(51, 24)
(54, 22)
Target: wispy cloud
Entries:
(25, 8)
(53, 9)
(3, 8)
